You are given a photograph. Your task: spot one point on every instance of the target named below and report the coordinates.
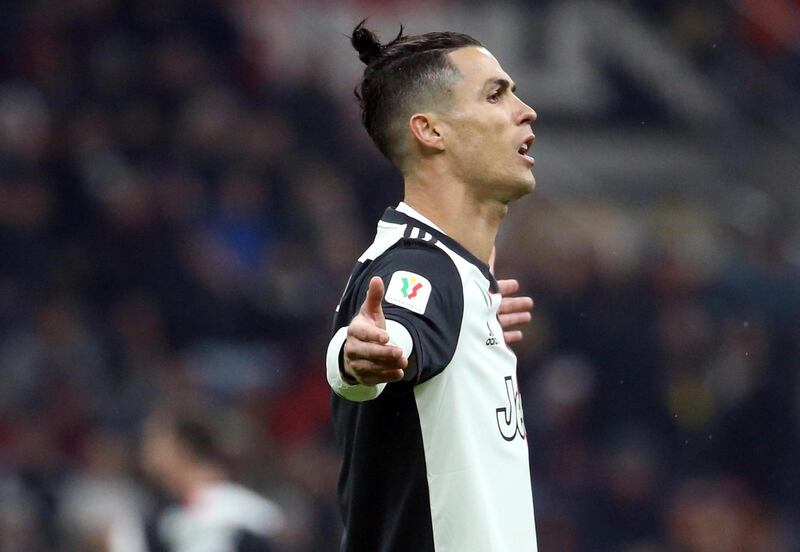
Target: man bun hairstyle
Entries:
(367, 44)
(405, 76)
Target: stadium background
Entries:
(185, 184)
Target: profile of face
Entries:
(487, 131)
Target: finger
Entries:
(363, 330)
(375, 365)
(507, 287)
(386, 377)
(515, 304)
(513, 319)
(512, 337)
(387, 364)
(371, 351)
(368, 368)
(372, 303)
(369, 373)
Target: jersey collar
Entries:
(405, 214)
(404, 207)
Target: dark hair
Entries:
(401, 77)
(198, 437)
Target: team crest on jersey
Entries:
(408, 290)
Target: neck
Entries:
(471, 221)
(195, 478)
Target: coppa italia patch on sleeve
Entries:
(408, 290)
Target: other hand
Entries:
(513, 311)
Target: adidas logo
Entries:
(491, 340)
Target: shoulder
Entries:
(232, 504)
(420, 277)
(407, 265)
(419, 256)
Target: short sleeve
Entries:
(423, 292)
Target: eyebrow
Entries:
(502, 84)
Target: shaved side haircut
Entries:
(408, 75)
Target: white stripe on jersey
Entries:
(479, 481)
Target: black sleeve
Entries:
(435, 330)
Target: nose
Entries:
(527, 114)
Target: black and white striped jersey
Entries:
(439, 461)
(217, 517)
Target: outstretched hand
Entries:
(513, 311)
(369, 358)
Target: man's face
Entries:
(489, 128)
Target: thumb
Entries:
(372, 304)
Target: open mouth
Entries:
(522, 151)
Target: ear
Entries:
(424, 129)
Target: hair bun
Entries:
(366, 44)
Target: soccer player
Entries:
(182, 455)
(426, 405)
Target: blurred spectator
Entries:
(719, 515)
(93, 501)
(212, 513)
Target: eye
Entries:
(494, 97)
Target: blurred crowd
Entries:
(176, 227)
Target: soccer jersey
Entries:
(439, 461)
(219, 517)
